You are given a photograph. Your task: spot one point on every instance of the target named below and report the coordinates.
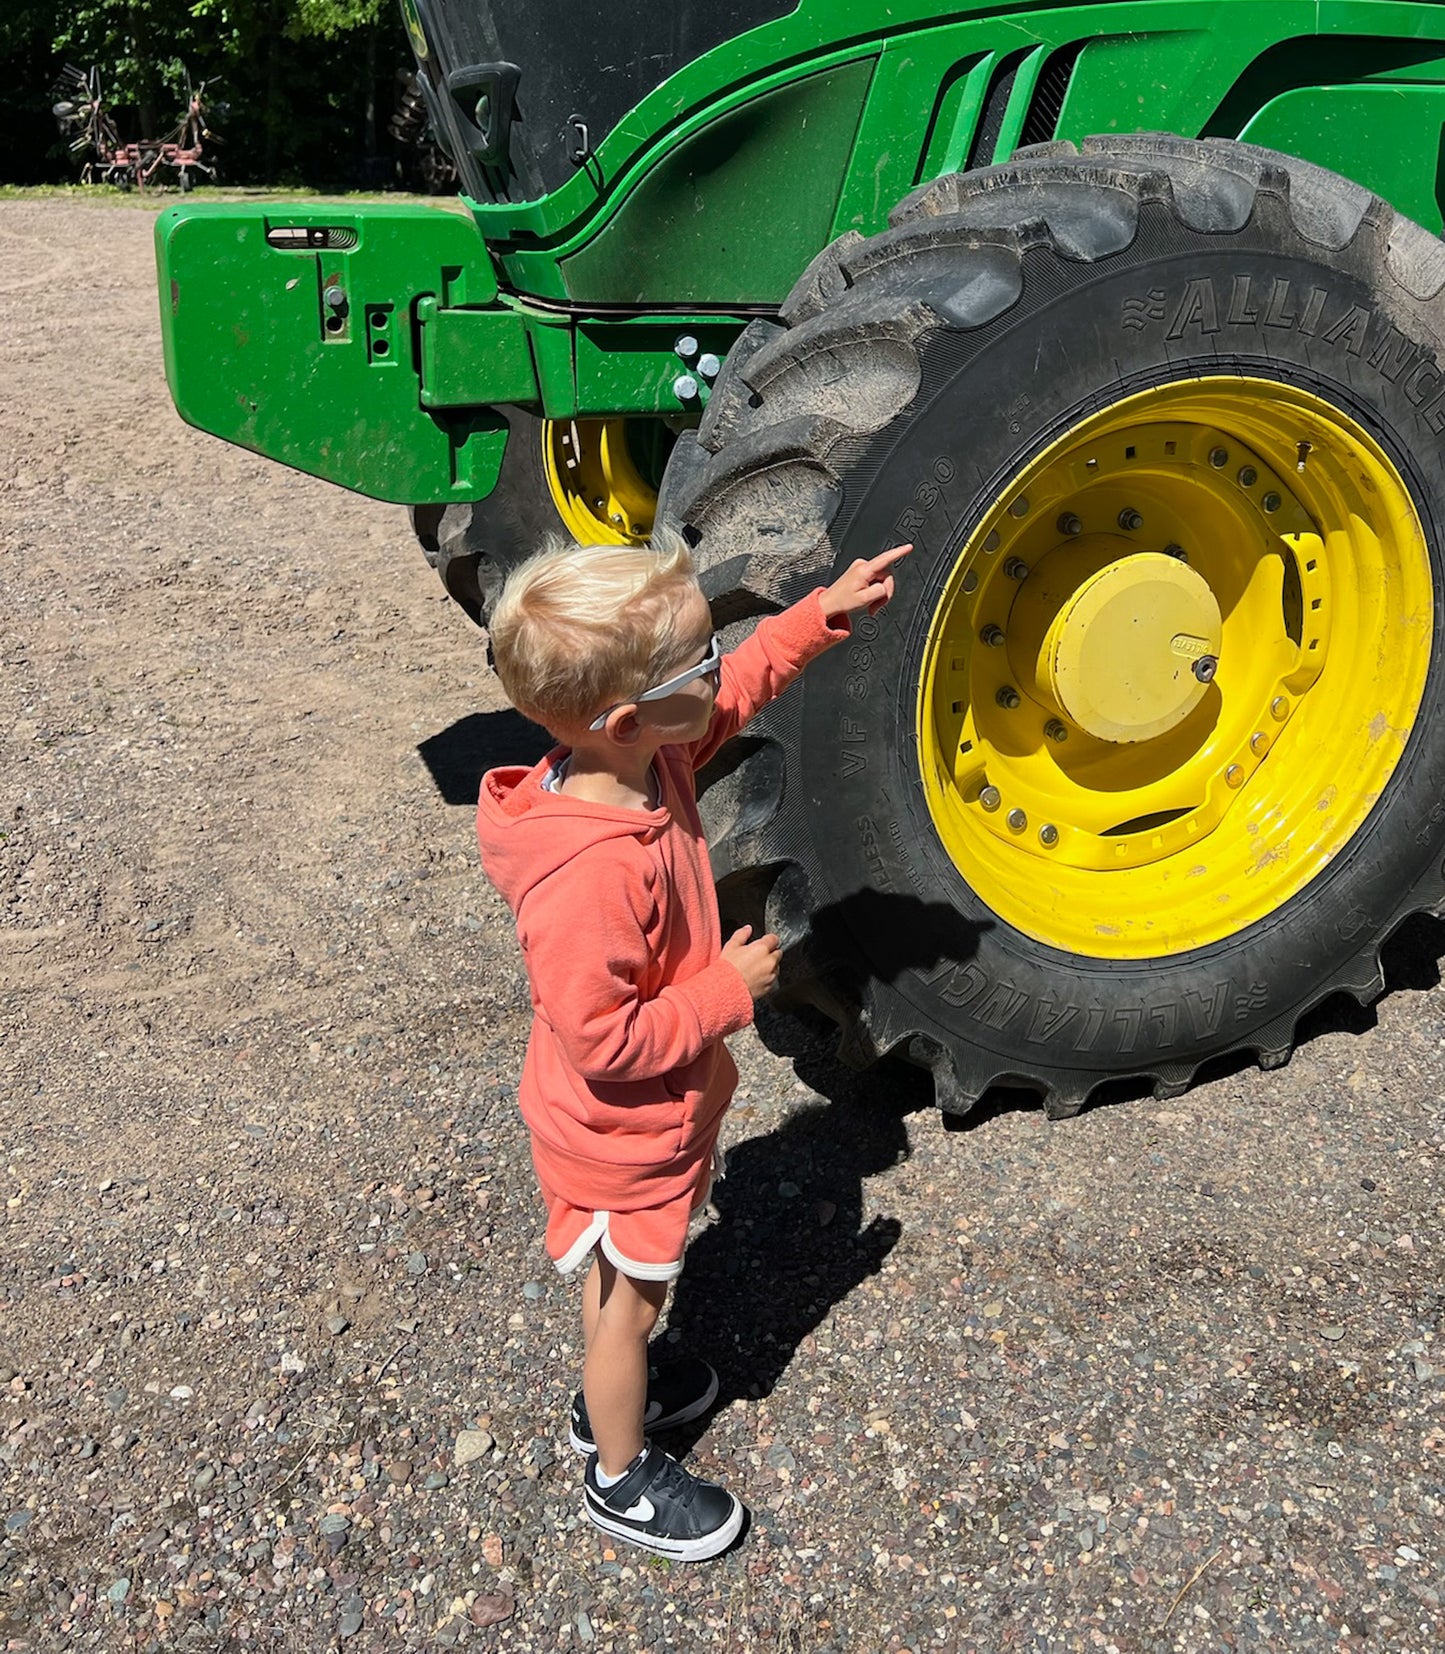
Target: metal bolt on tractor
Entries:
(1129, 316)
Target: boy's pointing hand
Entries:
(865, 585)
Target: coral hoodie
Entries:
(617, 916)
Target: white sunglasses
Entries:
(710, 666)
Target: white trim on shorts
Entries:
(597, 1233)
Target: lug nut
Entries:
(1129, 519)
(1205, 668)
(992, 636)
(684, 387)
(990, 798)
(1056, 731)
(709, 366)
(1070, 524)
(1016, 569)
(1017, 820)
(1219, 458)
(1176, 551)
(1248, 476)
(1259, 743)
(1048, 835)
(1007, 697)
(1234, 775)
(686, 346)
(1278, 707)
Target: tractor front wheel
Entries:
(591, 480)
(1147, 756)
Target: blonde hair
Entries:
(579, 628)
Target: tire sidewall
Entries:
(989, 402)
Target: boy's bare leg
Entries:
(618, 1315)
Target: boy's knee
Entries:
(637, 1303)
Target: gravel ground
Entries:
(282, 1362)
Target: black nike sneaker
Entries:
(677, 1392)
(663, 1508)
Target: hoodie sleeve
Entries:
(585, 933)
(763, 666)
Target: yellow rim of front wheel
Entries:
(596, 487)
(1174, 667)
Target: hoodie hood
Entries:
(526, 832)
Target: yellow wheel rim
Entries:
(598, 491)
(1174, 667)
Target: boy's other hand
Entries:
(756, 962)
(864, 585)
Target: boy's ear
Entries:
(622, 725)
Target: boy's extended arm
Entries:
(764, 664)
(585, 931)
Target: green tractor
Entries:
(1127, 315)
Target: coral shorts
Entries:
(644, 1241)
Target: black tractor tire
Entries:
(911, 375)
(472, 546)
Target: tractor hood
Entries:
(521, 92)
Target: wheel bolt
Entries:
(1234, 775)
(992, 636)
(1176, 551)
(1056, 731)
(1205, 668)
(1017, 820)
(1007, 697)
(990, 798)
(1016, 569)
(1271, 502)
(1070, 524)
(1048, 835)
(1259, 743)
(1248, 476)
(1278, 707)
(684, 387)
(1219, 458)
(1129, 519)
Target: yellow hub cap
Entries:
(1174, 667)
(597, 489)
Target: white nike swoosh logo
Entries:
(643, 1511)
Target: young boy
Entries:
(599, 852)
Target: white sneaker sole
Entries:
(694, 1410)
(676, 1550)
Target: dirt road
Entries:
(1163, 1377)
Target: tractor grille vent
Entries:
(995, 106)
(1047, 103)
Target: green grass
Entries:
(106, 195)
